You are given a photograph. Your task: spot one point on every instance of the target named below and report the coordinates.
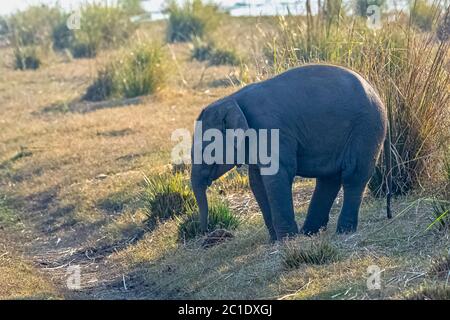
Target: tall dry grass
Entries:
(409, 68)
(138, 70)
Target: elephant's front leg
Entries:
(279, 193)
(257, 186)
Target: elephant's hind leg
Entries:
(348, 219)
(257, 186)
(321, 202)
(356, 173)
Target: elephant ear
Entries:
(234, 119)
(226, 114)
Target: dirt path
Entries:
(101, 276)
(58, 261)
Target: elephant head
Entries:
(212, 124)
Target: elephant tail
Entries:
(387, 160)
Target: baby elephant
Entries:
(316, 121)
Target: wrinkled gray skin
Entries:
(332, 125)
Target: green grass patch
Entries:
(222, 56)
(62, 36)
(135, 72)
(208, 51)
(101, 27)
(202, 50)
(83, 49)
(234, 181)
(26, 58)
(166, 196)
(8, 218)
(192, 19)
(316, 252)
(440, 215)
(220, 217)
(33, 26)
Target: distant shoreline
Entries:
(235, 7)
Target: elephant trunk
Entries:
(202, 201)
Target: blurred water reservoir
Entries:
(238, 7)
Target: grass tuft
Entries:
(62, 36)
(440, 215)
(33, 26)
(234, 181)
(317, 252)
(202, 50)
(220, 217)
(81, 49)
(26, 58)
(208, 51)
(167, 196)
(221, 56)
(430, 292)
(193, 19)
(103, 87)
(133, 73)
(101, 27)
(180, 168)
(441, 267)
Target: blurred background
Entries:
(235, 7)
(89, 100)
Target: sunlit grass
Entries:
(220, 217)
